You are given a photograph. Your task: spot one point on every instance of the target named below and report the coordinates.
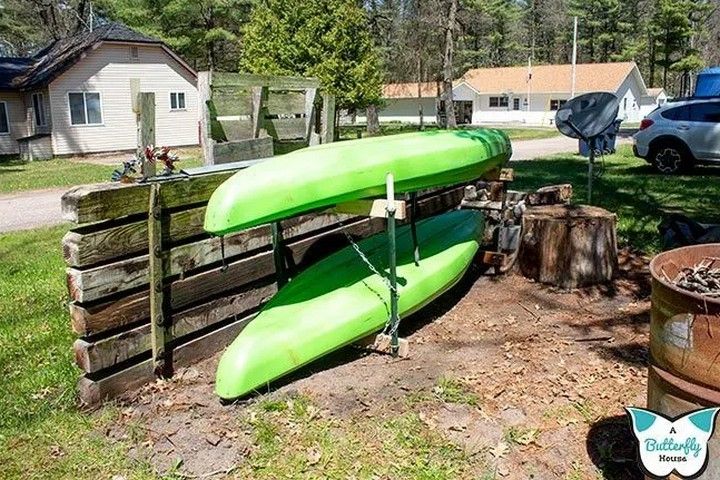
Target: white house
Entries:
(516, 94)
(76, 95)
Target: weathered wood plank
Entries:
(95, 203)
(90, 284)
(327, 119)
(146, 129)
(93, 391)
(286, 128)
(283, 102)
(88, 246)
(239, 150)
(228, 79)
(232, 101)
(204, 96)
(237, 130)
(93, 319)
(94, 356)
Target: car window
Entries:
(705, 112)
(677, 113)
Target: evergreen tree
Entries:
(328, 39)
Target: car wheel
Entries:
(670, 159)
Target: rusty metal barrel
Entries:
(684, 342)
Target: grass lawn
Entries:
(632, 189)
(17, 176)
(515, 133)
(42, 433)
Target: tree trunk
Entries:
(447, 95)
(373, 122)
(568, 246)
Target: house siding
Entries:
(108, 70)
(16, 117)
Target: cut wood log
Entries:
(568, 246)
(94, 389)
(550, 195)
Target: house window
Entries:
(85, 108)
(38, 100)
(177, 101)
(4, 120)
(516, 104)
(134, 53)
(498, 101)
(556, 104)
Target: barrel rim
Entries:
(656, 276)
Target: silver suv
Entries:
(679, 134)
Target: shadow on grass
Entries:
(630, 188)
(612, 447)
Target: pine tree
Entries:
(328, 39)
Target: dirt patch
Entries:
(528, 381)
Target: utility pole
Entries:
(574, 57)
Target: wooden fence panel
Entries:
(209, 296)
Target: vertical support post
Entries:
(327, 133)
(158, 326)
(146, 129)
(204, 96)
(310, 95)
(591, 144)
(413, 227)
(278, 257)
(259, 98)
(392, 264)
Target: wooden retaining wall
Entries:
(205, 297)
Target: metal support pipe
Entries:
(591, 161)
(392, 264)
(278, 255)
(413, 227)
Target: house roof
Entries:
(410, 90)
(655, 92)
(50, 62)
(589, 77)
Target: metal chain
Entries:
(362, 255)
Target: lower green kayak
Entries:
(325, 175)
(340, 300)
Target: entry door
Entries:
(463, 112)
(704, 130)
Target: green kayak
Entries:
(325, 175)
(339, 300)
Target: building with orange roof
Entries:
(521, 94)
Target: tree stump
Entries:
(568, 246)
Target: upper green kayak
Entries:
(340, 300)
(325, 175)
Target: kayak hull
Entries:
(340, 300)
(325, 175)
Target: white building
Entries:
(511, 94)
(76, 95)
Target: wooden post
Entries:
(158, 325)
(146, 129)
(278, 254)
(205, 95)
(260, 96)
(310, 95)
(327, 133)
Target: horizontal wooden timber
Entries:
(90, 284)
(285, 128)
(228, 79)
(88, 246)
(372, 208)
(283, 103)
(134, 308)
(106, 352)
(238, 150)
(232, 101)
(237, 130)
(93, 391)
(95, 203)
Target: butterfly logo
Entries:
(678, 444)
